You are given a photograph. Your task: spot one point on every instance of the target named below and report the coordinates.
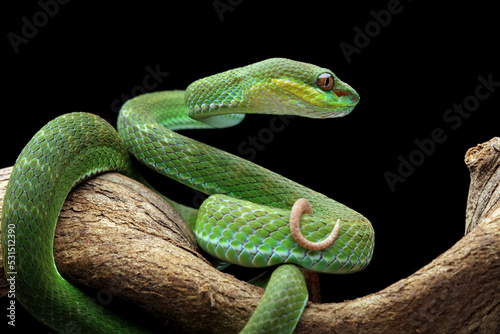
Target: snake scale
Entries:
(253, 216)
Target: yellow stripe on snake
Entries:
(253, 216)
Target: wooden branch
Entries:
(116, 235)
(484, 189)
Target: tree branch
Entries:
(115, 234)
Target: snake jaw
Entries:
(308, 100)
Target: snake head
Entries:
(273, 86)
(289, 87)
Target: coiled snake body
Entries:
(246, 220)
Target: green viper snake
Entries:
(253, 217)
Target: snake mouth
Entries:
(345, 95)
(350, 96)
(345, 101)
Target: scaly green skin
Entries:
(245, 221)
(282, 304)
(63, 153)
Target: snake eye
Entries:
(326, 81)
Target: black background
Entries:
(408, 74)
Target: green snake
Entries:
(253, 217)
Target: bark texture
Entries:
(116, 235)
